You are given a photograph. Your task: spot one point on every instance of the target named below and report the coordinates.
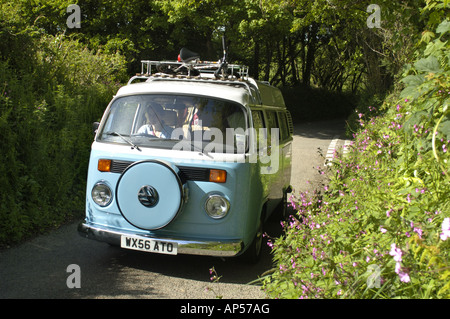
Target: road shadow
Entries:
(324, 130)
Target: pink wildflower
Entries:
(418, 231)
(397, 267)
(402, 273)
(404, 277)
(396, 253)
(445, 229)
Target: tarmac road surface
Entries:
(44, 267)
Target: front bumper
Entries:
(188, 247)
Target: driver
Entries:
(155, 125)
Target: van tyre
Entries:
(286, 209)
(253, 253)
(283, 210)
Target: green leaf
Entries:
(444, 128)
(434, 47)
(443, 27)
(427, 36)
(410, 92)
(430, 64)
(414, 210)
(413, 80)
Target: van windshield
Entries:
(176, 122)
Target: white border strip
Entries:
(331, 150)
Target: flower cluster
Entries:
(397, 253)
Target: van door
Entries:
(259, 126)
(275, 153)
(261, 148)
(285, 147)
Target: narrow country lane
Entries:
(39, 267)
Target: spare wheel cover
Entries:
(149, 194)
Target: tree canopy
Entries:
(322, 43)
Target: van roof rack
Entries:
(189, 65)
(206, 69)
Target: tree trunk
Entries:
(310, 54)
(269, 53)
(293, 57)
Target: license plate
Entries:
(148, 245)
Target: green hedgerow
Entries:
(381, 227)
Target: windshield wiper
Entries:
(133, 146)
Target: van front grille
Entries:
(119, 166)
(186, 173)
(194, 173)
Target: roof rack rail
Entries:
(173, 67)
(194, 68)
(189, 65)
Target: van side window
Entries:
(283, 125)
(258, 124)
(272, 122)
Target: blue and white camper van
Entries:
(190, 157)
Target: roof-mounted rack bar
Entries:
(207, 72)
(172, 67)
(189, 65)
(200, 69)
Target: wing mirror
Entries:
(95, 126)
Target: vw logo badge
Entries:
(148, 196)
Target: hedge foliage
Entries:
(380, 228)
(51, 89)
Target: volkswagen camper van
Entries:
(190, 157)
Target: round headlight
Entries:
(101, 194)
(217, 206)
